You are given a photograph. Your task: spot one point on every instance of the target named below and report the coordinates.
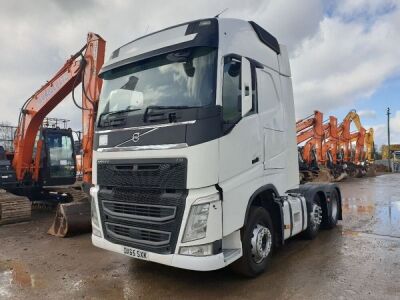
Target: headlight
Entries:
(196, 225)
(95, 218)
(200, 250)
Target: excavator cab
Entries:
(58, 161)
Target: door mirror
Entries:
(247, 101)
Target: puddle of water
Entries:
(388, 219)
(373, 235)
(358, 206)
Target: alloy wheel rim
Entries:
(261, 243)
(315, 216)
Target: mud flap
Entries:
(71, 219)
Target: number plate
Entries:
(136, 253)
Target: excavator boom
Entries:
(82, 68)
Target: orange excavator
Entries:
(44, 157)
(326, 149)
(353, 144)
(310, 133)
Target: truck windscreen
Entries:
(181, 78)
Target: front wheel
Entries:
(257, 243)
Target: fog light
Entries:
(200, 250)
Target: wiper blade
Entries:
(109, 113)
(163, 107)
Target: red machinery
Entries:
(311, 131)
(48, 159)
(325, 144)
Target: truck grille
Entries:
(138, 235)
(167, 173)
(139, 211)
(138, 214)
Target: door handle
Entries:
(255, 160)
(246, 90)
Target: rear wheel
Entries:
(333, 210)
(314, 219)
(257, 243)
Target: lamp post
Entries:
(388, 133)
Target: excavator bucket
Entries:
(13, 208)
(71, 219)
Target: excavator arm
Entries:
(331, 139)
(311, 130)
(82, 67)
(359, 138)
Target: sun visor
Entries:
(197, 33)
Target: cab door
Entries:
(240, 147)
(58, 157)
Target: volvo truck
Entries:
(195, 158)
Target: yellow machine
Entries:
(393, 148)
(369, 145)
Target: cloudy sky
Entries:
(344, 54)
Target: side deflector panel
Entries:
(272, 119)
(274, 149)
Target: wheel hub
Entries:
(316, 215)
(261, 243)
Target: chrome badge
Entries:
(135, 137)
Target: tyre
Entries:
(258, 241)
(314, 219)
(333, 210)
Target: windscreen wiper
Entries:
(149, 108)
(110, 113)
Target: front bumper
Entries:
(195, 263)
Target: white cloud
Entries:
(345, 61)
(335, 58)
(367, 114)
(364, 8)
(38, 36)
(380, 131)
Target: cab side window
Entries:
(231, 90)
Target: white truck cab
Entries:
(195, 157)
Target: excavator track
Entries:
(13, 208)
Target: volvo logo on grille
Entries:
(135, 137)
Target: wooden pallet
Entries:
(14, 209)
